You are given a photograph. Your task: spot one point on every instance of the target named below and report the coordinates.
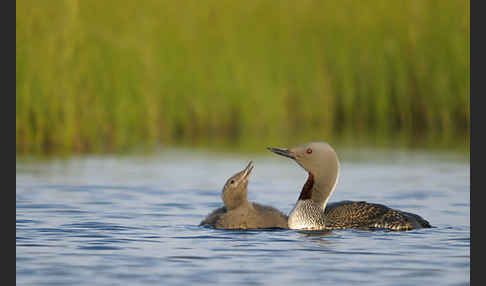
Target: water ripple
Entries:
(84, 223)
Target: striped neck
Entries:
(319, 189)
(306, 193)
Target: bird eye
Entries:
(309, 150)
(232, 182)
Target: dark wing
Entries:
(270, 217)
(365, 215)
(256, 217)
(213, 217)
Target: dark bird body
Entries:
(363, 215)
(251, 216)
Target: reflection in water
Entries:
(309, 233)
(319, 238)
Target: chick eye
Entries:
(232, 182)
(308, 151)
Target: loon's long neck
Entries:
(323, 188)
(319, 188)
(308, 212)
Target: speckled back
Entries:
(349, 214)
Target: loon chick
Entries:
(311, 212)
(238, 212)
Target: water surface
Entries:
(133, 220)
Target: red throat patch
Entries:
(306, 193)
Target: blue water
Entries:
(133, 220)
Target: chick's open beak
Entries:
(247, 170)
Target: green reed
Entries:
(94, 76)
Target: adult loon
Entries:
(312, 212)
(238, 212)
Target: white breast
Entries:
(306, 215)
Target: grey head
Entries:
(322, 163)
(235, 190)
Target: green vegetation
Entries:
(95, 76)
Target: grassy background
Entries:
(97, 76)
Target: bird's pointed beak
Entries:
(248, 169)
(283, 152)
